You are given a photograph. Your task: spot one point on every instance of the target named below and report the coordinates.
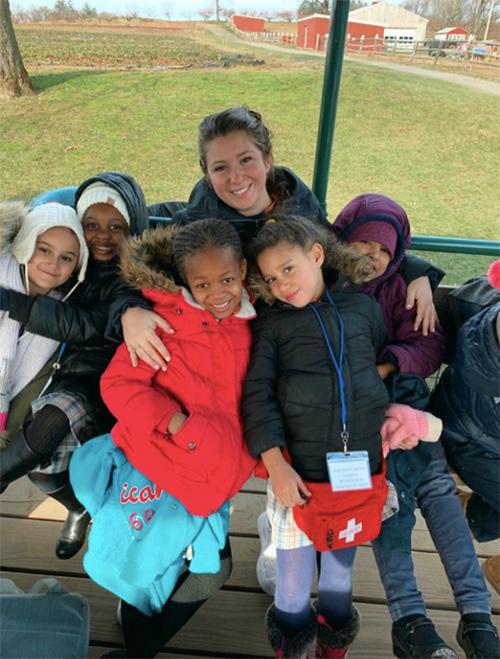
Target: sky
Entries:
(177, 9)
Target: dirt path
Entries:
(486, 86)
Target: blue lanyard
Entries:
(344, 435)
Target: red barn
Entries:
(248, 23)
(364, 36)
(312, 32)
(452, 34)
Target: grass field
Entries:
(433, 146)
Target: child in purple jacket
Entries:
(378, 226)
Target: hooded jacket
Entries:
(299, 200)
(468, 394)
(139, 534)
(206, 461)
(291, 393)
(410, 351)
(87, 325)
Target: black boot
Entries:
(290, 647)
(17, 459)
(478, 637)
(73, 533)
(416, 636)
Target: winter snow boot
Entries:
(17, 459)
(334, 643)
(416, 637)
(478, 637)
(290, 647)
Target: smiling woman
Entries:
(237, 171)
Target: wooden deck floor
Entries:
(231, 623)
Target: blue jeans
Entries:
(442, 512)
(480, 470)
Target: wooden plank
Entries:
(247, 507)
(97, 651)
(23, 499)
(36, 553)
(232, 624)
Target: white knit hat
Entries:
(100, 193)
(41, 219)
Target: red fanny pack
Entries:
(336, 520)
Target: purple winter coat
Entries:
(411, 351)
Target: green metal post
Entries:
(331, 85)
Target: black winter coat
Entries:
(291, 393)
(466, 398)
(82, 324)
(89, 323)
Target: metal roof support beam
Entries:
(331, 85)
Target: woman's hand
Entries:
(288, 486)
(142, 341)
(419, 291)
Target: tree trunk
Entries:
(14, 80)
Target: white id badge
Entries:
(349, 471)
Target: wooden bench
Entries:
(231, 623)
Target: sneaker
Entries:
(416, 637)
(477, 636)
(266, 563)
(491, 571)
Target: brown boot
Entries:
(464, 497)
(491, 571)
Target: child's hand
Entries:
(385, 369)
(287, 485)
(176, 422)
(142, 341)
(419, 291)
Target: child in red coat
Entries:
(182, 427)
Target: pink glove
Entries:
(404, 424)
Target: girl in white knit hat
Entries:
(41, 252)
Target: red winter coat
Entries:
(207, 461)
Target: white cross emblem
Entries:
(349, 533)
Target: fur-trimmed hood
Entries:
(147, 262)
(339, 258)
(12, 215)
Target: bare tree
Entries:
(309, 7)
(420, 7)
(206, 13)
(14, 80)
